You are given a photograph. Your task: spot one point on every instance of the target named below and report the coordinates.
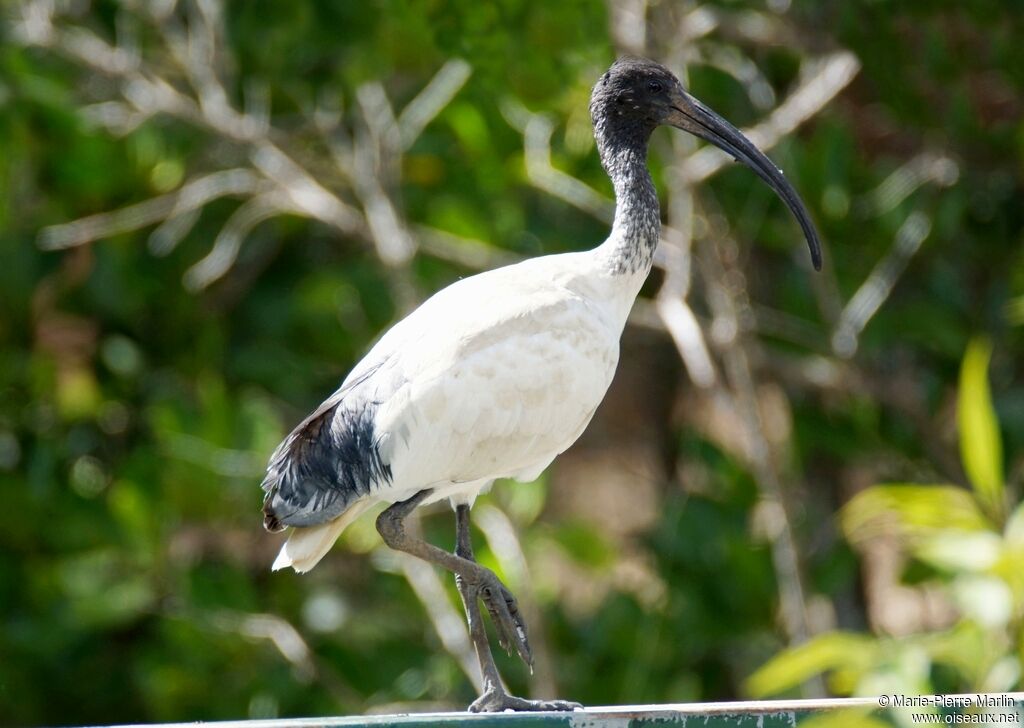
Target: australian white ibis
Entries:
(495, 375)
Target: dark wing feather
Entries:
(328, 462)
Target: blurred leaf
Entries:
(900, 666)
(1014, 531)
(985, 599)
(585, 544)
(1003, 677)
(797, 664)
(955, 551)
(103, 589)
(524, 501)
(965, 647)
(469, 125)
(981, 448)
(1015, 311)
(910, 510)
(78, 394)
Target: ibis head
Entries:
(636, 95)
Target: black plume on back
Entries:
(327, 463)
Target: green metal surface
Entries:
(1003, 710)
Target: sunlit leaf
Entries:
(469, 126)
(1014, 531)
(78, 393)
(524, 501)
(956, 551)
(910, 510)
(981, 448)
(798, 664)
(985, 599)
(1003, 676)
(1010, 568)
(965, 647)
(900, 667)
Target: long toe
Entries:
(553, 705)
(508, 620)
(498, 701)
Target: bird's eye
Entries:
(655, 87)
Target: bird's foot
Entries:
(508, 620)
(496, 700)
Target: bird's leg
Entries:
(474, 582)
(470, 593)
(491, 597)
(494, 698)
(499, 600)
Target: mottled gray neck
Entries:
(630, 247)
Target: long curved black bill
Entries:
(693, 116)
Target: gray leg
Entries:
(499, 600)
(475, 583)
(494, 698)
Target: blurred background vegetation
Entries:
(799, 484)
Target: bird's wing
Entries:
(495, 374)
(508, 382)
(330, 460)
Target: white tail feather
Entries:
(306, 546)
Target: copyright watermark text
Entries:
(979, 709)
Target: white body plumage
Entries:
(492, 377)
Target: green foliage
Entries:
(913, 509)
(843, 654)
(981, 448)
(976, 559)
